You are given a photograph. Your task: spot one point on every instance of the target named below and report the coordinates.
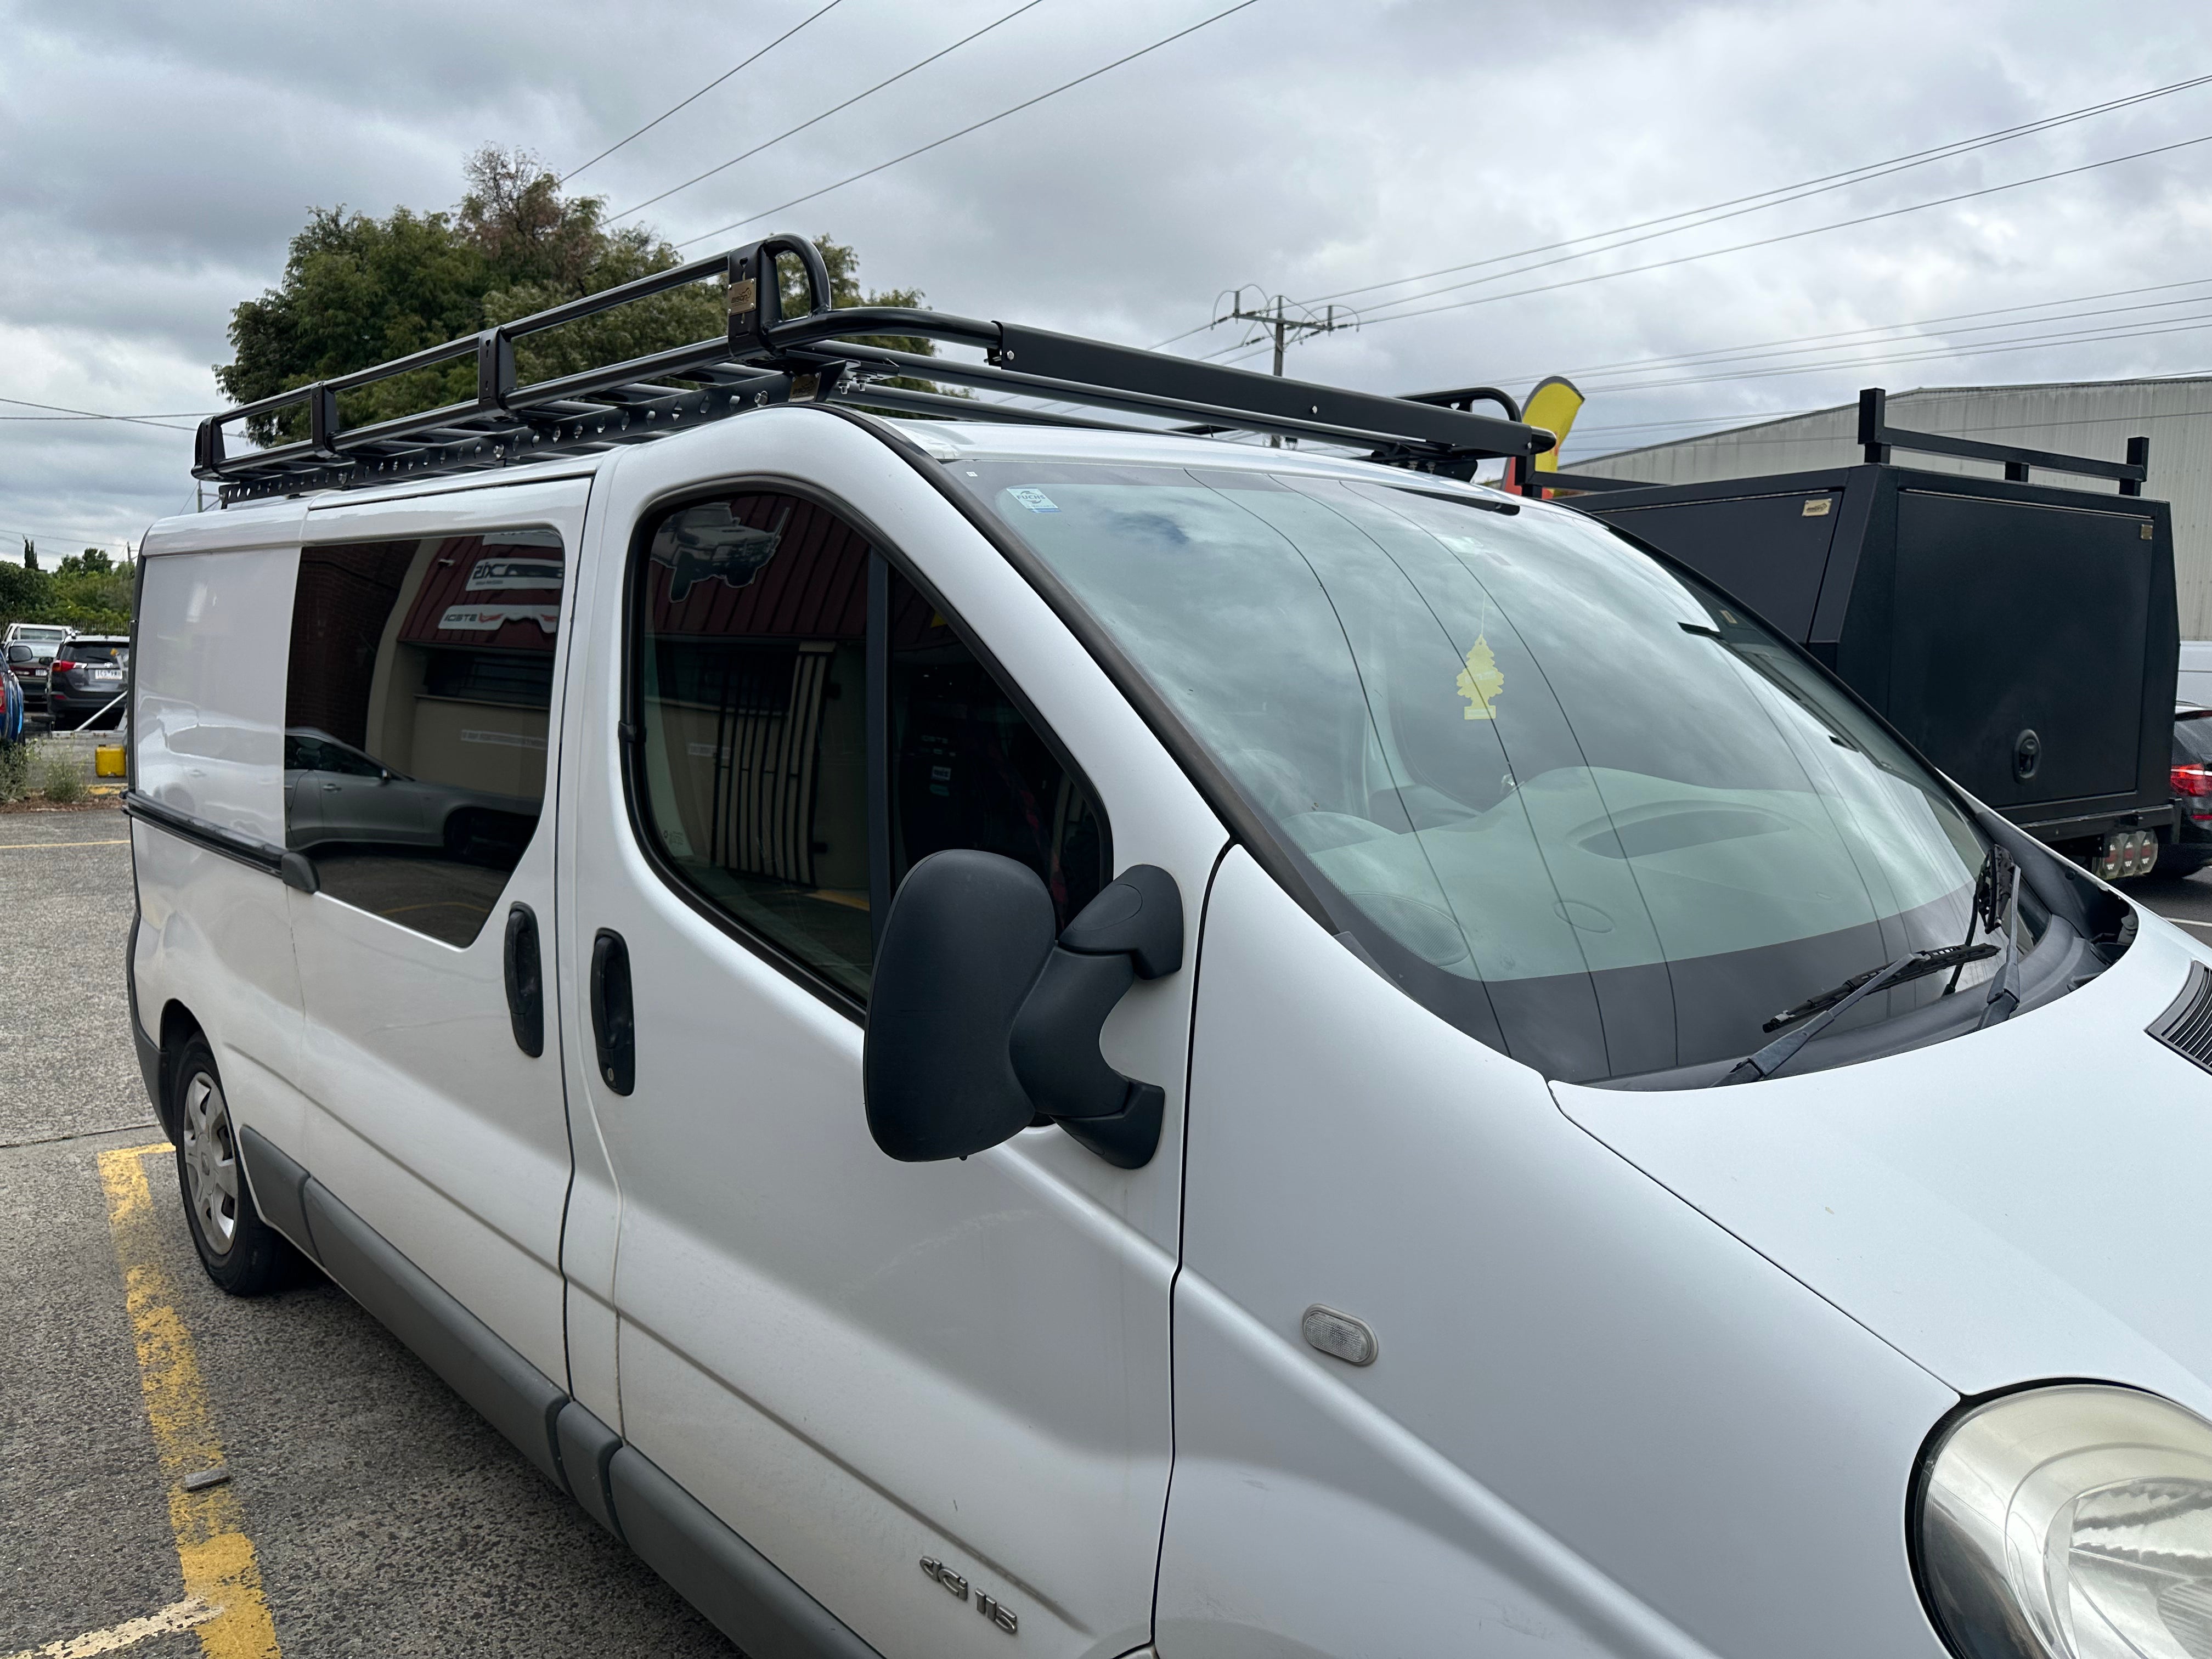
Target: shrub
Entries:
(60, 780)
(14, 771)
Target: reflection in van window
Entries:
(751, 664)
(968, 770)
(416, 718)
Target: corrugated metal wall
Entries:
(2081, 418)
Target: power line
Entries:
(94, 414)
(697, 95)
(1784, 236)
(1780, 195)
(827, 113)
(1936, 353)
(1720, 359)
(1723, 353)
(21, 535)
(1028, 103)
(1783, 194)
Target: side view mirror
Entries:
(980, 1023)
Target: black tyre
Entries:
(242, 1254)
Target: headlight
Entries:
(2071, 1522)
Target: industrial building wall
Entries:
(2094, 417)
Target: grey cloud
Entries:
(153, 161)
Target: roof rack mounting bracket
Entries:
(494, 369)
(756, 291)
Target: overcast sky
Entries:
(155, 159)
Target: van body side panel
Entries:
(1596, 1423)
(213, 934)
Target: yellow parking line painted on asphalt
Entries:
(212, 1548)
(178, 1615)
(25, 846)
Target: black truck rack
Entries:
(768, 358)
(2022, 636)
(1880, 441)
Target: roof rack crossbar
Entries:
(874, 394)
(1877, 438)
(756, 363)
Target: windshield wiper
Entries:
(1918, 963)
(2001, 875)
(1996, 891)
(1766, 1061)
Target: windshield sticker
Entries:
(1036, 500)
(1481, 682)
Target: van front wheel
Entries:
(242, 1254)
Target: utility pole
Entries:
(1274, 319)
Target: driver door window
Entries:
(755, 618)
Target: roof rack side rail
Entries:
(765, 353)
(1877, 438)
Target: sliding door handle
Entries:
(614, 1024)
(525, 982)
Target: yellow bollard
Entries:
(107, 760)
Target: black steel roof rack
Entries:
(766, 357)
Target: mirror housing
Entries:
(980, 1023)
(964, 940)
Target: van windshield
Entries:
(1569, 797)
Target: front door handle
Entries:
(614, 1025)
(525, 982)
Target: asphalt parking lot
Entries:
(383, 1516)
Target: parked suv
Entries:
(1099, 1042)
(85, 679)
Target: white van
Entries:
(1430, 1086)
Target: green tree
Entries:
(359, 291)
(92, 562)
(30, 554)
(92, 600)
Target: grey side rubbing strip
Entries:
(739, 1589)
(513, 1395)
(586, 1447)
(294, 869)
(279, 1188)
